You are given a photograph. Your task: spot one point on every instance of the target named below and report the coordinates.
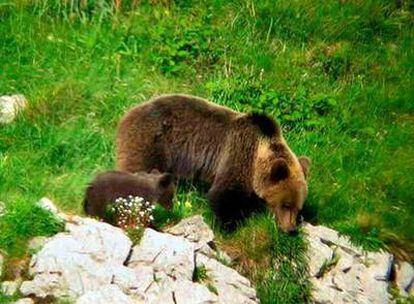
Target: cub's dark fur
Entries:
(243, 156)
(108, 186)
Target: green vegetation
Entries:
(21, 222)
(200, 273)
(337, 75)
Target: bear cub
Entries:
(154, 187)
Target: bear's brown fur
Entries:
(155, 187)
(243, 156)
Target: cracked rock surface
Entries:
(94, 262)
(343, 273)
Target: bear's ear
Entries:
(165, 180)
(280, 170)
(268, 127)
(305, 163)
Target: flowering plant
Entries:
(132, 212)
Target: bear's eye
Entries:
(286, 206)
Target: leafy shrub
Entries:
(292, 111)
(175, 49)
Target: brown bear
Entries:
(243, 156)
(155, 187)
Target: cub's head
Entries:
(163, 185)
(280, 179)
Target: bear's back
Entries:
(181, 134)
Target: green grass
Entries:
(338, 76)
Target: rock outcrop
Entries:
(94, 262)
(343, 273)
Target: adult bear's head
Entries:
(279, 176)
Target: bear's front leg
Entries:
(233, 204)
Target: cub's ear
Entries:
(166, 180)
(155, 171)
(305, 163)
(280, 170)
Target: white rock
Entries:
(345, 261)
(357, 277)
(87, 262)
(199, 293)
(324, 293)
(219, 255)
(318, 254)
(164, 252)
(164, 266)
(24, 301)
(133, 281)
(321, 232)
(193, 229)
(404, 277)
(230, 285)
(10, 106)
(80, 260)
(9, 288)
(379, 265)
(348, 281)
(373, 290)
(170, 291)
(47, 204)
(107, 294)
(330, 237)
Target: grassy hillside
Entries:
(337, 75)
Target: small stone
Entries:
(10, 106)
(24, 301)
(106, 294)
(9, 288)
(47, 204)
(193, 229)
(404, 277)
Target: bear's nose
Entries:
(293, 231)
